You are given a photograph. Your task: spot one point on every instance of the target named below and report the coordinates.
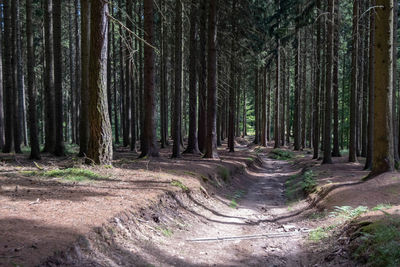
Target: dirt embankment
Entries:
(42, 214)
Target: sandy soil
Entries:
(234, 212)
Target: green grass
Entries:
(281, 154)
(320, 233)
(180, 185)
(70, 174)
(235, 198)
(380, 243)
(224, 173)
(165, 232)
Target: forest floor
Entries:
(258, 207)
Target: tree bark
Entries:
(100, 140)
(382, 160)
(328, 89)
(85, 55)
(336, 16)
(211, 141)
(149, 146)
(34, 140)
(192, 147)
(8, 79)
(370, 145)
(58, 78)
(277, 95)
(353, 95)
(176, 150)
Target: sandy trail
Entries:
(259, 211)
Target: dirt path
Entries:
(259, 211)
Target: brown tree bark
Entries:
(50, 136)
(211, 142)
(370, 145)
(232, 87)
(328, 89)
(85, 55)
(256, 107)
(382, 160)
(34, 140)
(336, 23)
(176, 150)
(149, 146)
(100, 138)
(353, 95)
(8, 79)
(202, 131)
(264, 109)
(193, 147)
(297, 92)
(277, 95)
(58, 78)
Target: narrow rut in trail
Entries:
(233, 236)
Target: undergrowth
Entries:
(224, 173)
(235, 198)
(281, 154)
(70, 174)
(379, 243)
(180, 185)
(298, 186)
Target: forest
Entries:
(199, 133)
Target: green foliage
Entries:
(281, 154)
(382, 206)
(165, 231)
(70, 174)
(224, 173)
(234, 202)
(300, 185)
(380, 243)
(309, 184)
(348, 212)
(320, 233)
(180, 185)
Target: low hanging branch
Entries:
(131, 32)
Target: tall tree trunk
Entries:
(256, 107)
(100, 138)
(382, 160)
(370, 148)
(202, 131)
(277, 94)
(395, 86)
(58, 78)
(85, 55)
(149, 146)
(34, 140)
(296, 130)
(49, 144)
(211, 142)
(8, 79)
(77, 71)
(353, 95)
(328, 90)
(176, 150)
(192, 140)
(232, 87)
(17, 76)
(2, 102)
(264, 108)
(336, 16)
